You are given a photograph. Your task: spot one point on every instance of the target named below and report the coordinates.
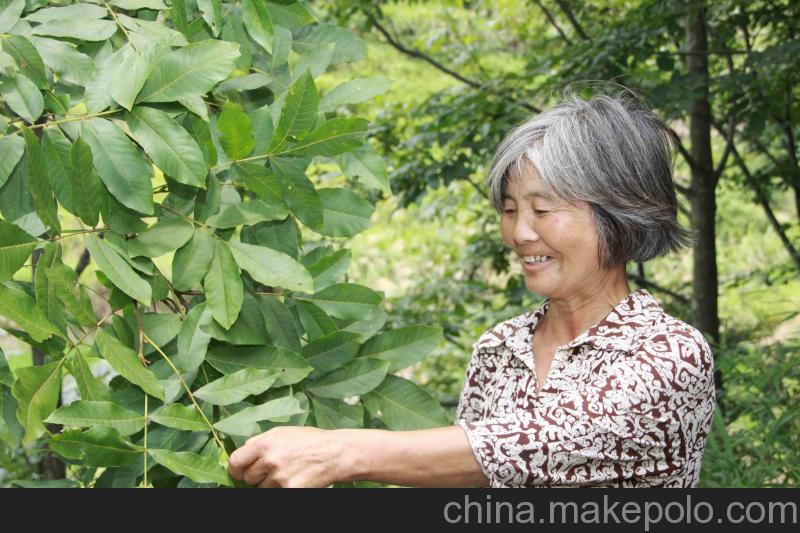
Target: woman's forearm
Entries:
(439, 457)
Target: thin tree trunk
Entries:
(703, 185)
(51, 467)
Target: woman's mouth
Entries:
(531, 263)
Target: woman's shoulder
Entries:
(497, 335)
(669, 337)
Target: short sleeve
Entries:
(641, 419)
(472, 398)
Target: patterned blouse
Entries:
(628, 403)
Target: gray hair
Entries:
(614, 154)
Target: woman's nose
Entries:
(523, 231)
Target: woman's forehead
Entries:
(527, 185)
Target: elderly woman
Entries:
(596, 387)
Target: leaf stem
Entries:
(62, 121)
(188, 391)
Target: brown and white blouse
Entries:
(628, 403)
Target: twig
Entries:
(189, 392)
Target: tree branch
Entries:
(567, 10)
(419, 55)
(764, 201)
(650, 285)
(728, 147)
(553, 21)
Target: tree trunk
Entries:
(50, 467)
(704, 182)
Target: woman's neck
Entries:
(568, 317)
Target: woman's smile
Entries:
(535, 266)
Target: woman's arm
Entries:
(439, 457)
(291, 456)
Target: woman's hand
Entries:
(289, 456)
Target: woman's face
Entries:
(535, 222)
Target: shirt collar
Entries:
(616, 331)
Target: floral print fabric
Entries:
(628, 403)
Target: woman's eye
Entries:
(508, 211)
(540, 212)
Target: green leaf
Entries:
(330, 352)
(247, 214)
(46, 298)
(334, 137)
(45, 483)
(27, 58)
(168, 145)
(367, 166)
(10, 11)
(127, 363)
(403, 405)
(237, 386)
(258, 23)
(83, 413)
(161, 327)
(164, 236)
(247, 330)
(11, 431)
(211, 11)
(43, 199)
(57, 149)
(290, 15)
(272, 268)
(283, 235)
(354, 91)
(229, 359)
(176, 415)
(347, 47)
(61, 280)
(22, 96)
(118, 270)
(348, 301)
(192, 340)
(98, 446)
(64, 59)
(316, 322)
(87, 191)
(403, 347)
(330, 269)
(261, 181)
(344, 212)
(336, 414)
(189, 71)
(11, 149)
(357, 377)
(81, 29)
(132, 5)
(236, 131)
(76, 12)
(120, 164)
(278, 410)
(37, 389)
(15, 248)
(298, 191)
(280, 324)
(191, 261)
(194, 466)
(16, 305)
(223, 285)
(299, 112)
(89, 386)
